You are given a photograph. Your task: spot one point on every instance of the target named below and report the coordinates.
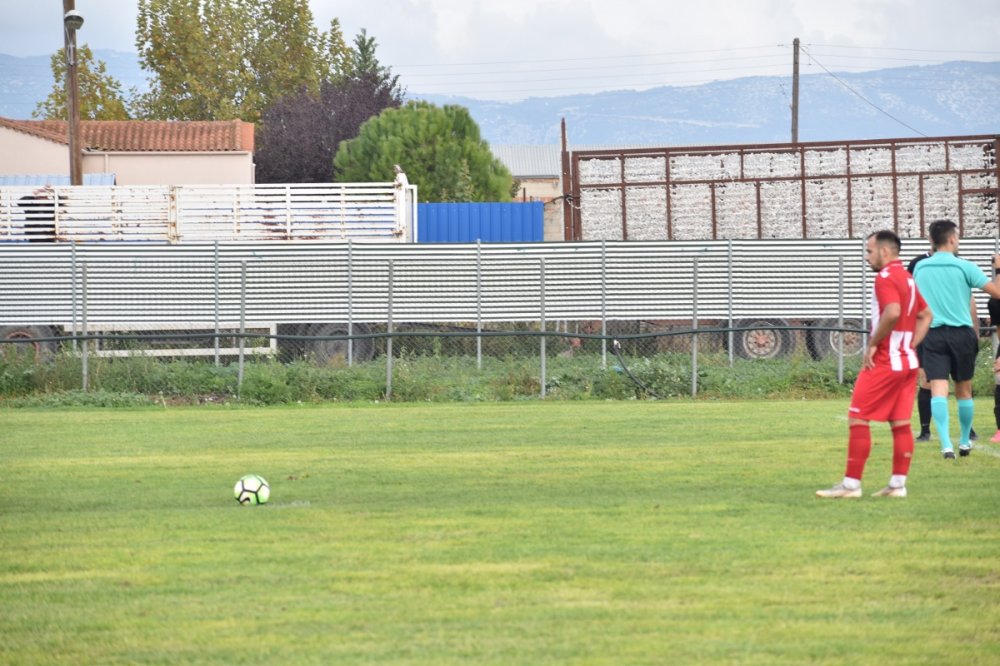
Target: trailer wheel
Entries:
(762, 340)
(335, 352)
(823, 343)
(37, 351)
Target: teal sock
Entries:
(965, 411)
(939, 410)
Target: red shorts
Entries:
(882, 394)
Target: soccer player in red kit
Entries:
(886, 385)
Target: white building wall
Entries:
(23, 154)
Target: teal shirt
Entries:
(946, 283)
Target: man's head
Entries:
(943, 234)
(882, 248)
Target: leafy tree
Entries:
(364, 64)
(225, 59)
(300, 133)
(338, 55)
(99, 93)
(439, 148)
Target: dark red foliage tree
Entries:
(300, 133)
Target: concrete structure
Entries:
(138, 152)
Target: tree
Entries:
(364, 64)
(300, 133)
(338, 55)
(225, 59)
(100, 94)
(439, 148)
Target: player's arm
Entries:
(993, 287)
(924, 318)
(890, 315)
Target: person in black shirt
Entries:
(39, 215)
(994, 307)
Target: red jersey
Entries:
(894, 284)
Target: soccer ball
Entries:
(252, 489)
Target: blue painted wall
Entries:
(487, 222)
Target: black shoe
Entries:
(972, 435)
(964, 451)
(924, 436)
(949, 455)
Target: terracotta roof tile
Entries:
(146, 135)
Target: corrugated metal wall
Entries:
(486, 222)
(42, 283)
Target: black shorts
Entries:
(950, 351)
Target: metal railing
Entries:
(383, 212)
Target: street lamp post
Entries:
(72, 21)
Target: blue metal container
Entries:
(486, 222)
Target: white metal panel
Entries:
(132, 284)
(383, 212)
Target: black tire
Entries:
(293, 350)
(762, 340)
(39, 351)
(335, 352)
(824, 343)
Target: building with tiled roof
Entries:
(137, 152)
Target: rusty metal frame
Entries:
(573, 229)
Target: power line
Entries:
(778, 60)
(889, 48)
(860, 96)
(618, 57)
(619, 76)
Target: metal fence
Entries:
(385, 212)
(340, 305)
(830, 189)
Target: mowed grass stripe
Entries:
(625, 532)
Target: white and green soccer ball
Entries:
(252, 489)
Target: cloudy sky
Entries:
(511, 49)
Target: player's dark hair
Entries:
(940, 231)
(886, 237)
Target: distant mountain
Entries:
(954, 98)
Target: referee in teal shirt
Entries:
(952, 343)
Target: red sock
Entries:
(859, 446)
(902, 449)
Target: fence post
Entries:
(72, 291)
(865, 301)
(604, 305)
(694, 335)
(542, 318)
(993, 334)
(388, 342)
(479, 304)
(243, 325)
(350, 303)
(840, 322)
(85, 369)
(215, 340)
(729, 298)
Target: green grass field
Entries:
(514, 533)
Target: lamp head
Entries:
(73, 20)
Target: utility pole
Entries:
(71, 23)
(567, 188)
(795, 90)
